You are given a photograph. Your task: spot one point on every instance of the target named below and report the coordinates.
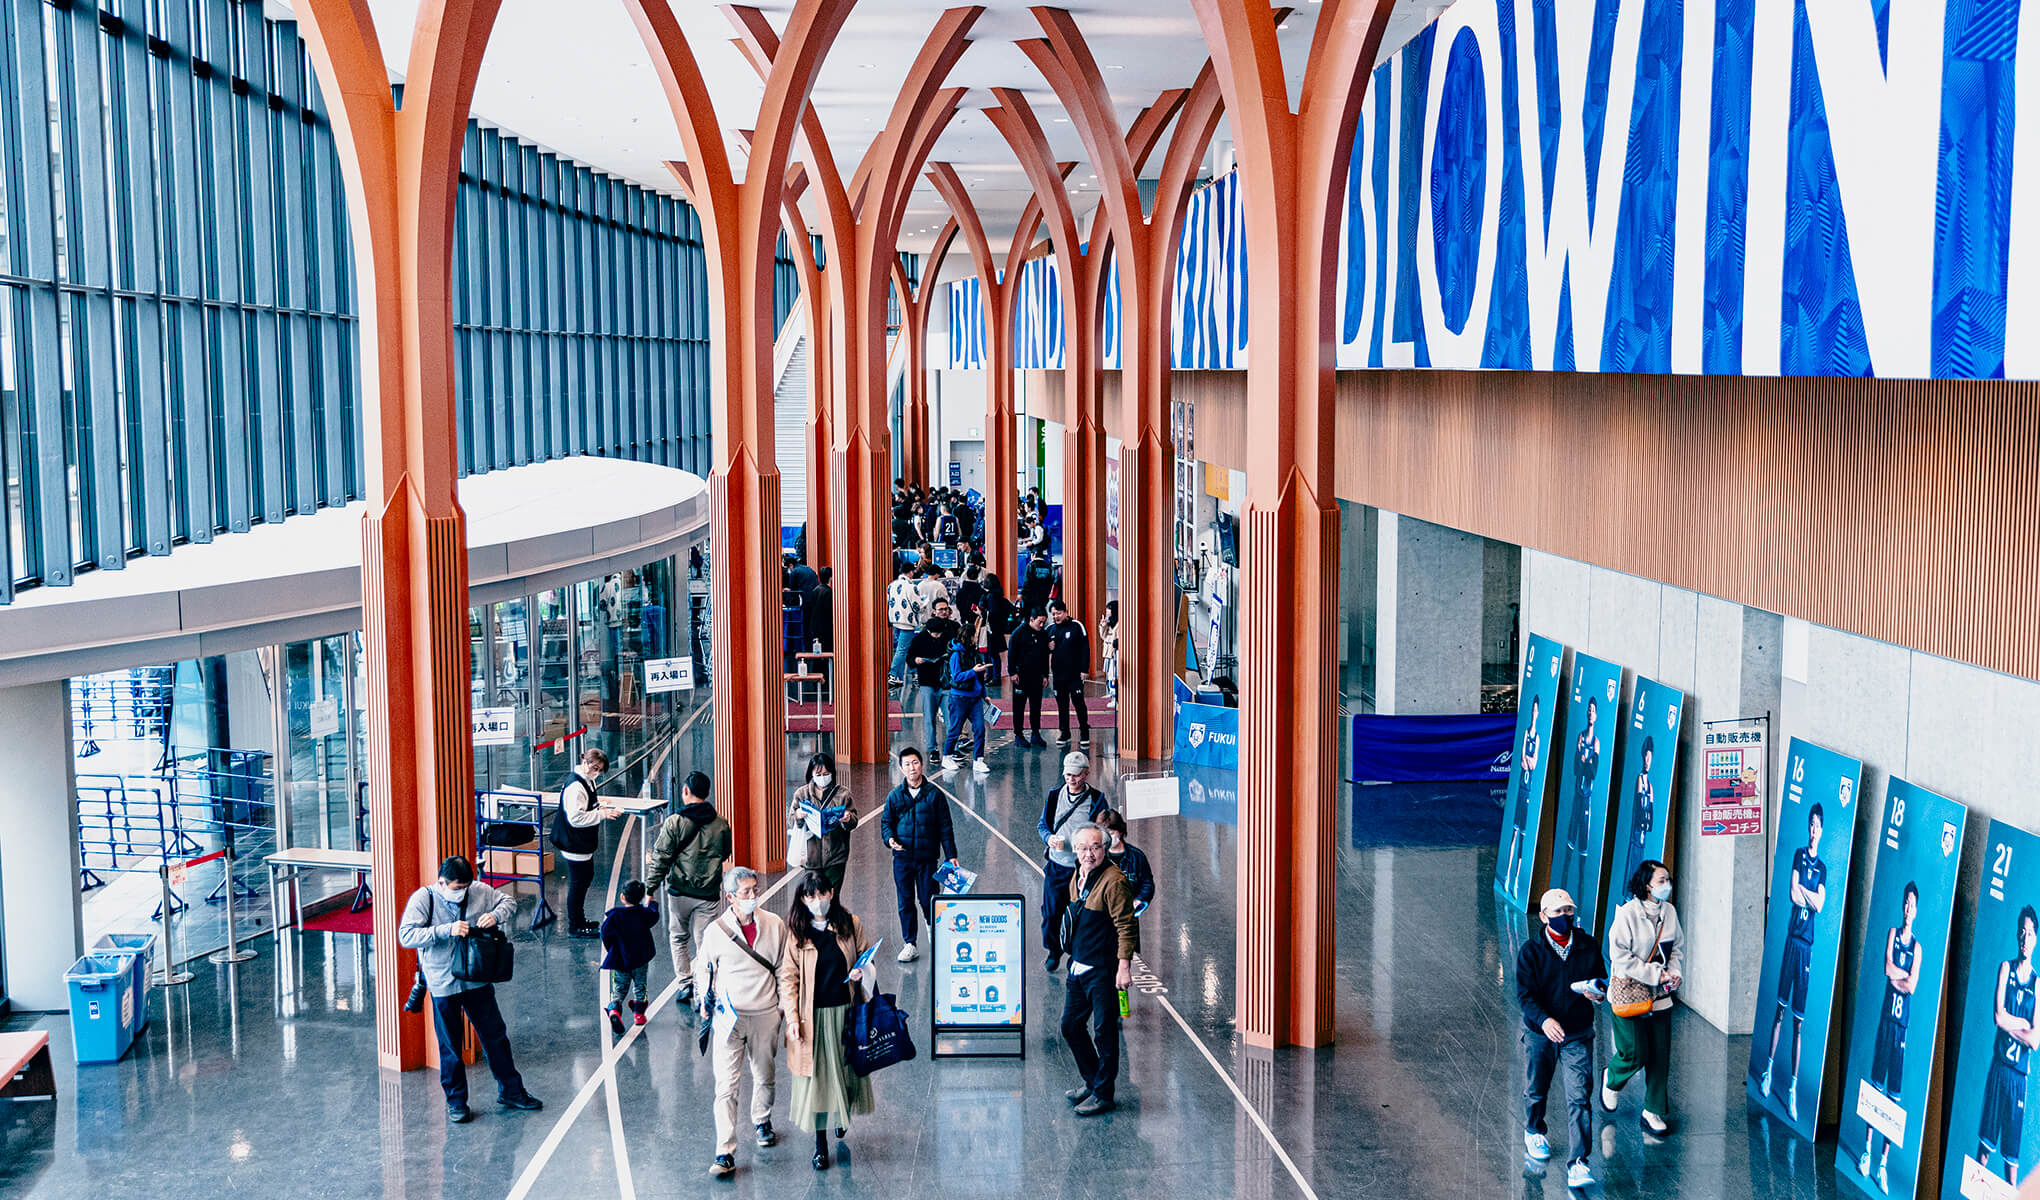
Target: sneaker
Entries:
(584, 931)
(1609, 1099)
(1792, 1101)
(522, 1102)
(765, 1135)
(1863, 1164)
(981, 767)
(1536, 1145)
(909, 952)
(638, 1018)
(1040, 743)
(1578, 1175)
(1095, 1104)
(1062, 739)
(686, 993)
(1764, 1086)
(1079, 1094)
(1655, 1125)
(1085, 742)
(724, 1166)
(458, 1114)
(615, 1016)
(950, 762)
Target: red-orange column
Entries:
(1292, 174)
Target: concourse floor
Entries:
(261, 1081)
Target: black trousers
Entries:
(1026, 706)
(478, 1007)
(914, 881)
(579, 876)
(1055, 899)
(1068, 695)
(1091, 1001)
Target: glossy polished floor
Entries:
(264, 1084)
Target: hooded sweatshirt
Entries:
(696, 870)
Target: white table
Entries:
(287, 865)
(647, 809)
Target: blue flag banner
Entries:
(1643, 791)
(1992, 1147)
(1803, 934)
(1898, 992)
(1579, 837)
(1475, 748)
(1208, 735)
(1536, 705)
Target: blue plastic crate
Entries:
(102, 988)
(143, 947)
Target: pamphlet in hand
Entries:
(864, 959)
(954, 879)
(1593, 989)
(820, 822)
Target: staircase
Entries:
(789, 422)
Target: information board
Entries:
(1803, 934)
(1992, 1146)
(1737, 754)
(1523, 819)
(669, 675)
(494, 726)
(1579, 839)
(980, 976)
(1898, 992)
(1643, 790)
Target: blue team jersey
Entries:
(1529, 753)
(2018, 1001)
(1897, 1004)
(1585, 760)
(1811, 873)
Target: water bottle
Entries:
(818, 646)
(1125, 1003)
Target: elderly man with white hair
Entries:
(736, 974)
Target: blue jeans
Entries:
(1542, 1056)
(931, 707)
(900, 638)
(962, 708)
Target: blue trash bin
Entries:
(102, 990)
(143, 947)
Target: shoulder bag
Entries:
(876, 1035)
(484, 955)
(701, 1037)
(1631, 998)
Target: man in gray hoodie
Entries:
(434, 917)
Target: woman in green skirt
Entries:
(818, 981)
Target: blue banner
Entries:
(1898, 992)
(1803, 935)
(1579, 838)
(1210, 794)
(1992, 1147)
(1643, 791)
(1208, 735)
(1432, 749)
(1536, 704)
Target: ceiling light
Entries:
(1282, 28)
(1114, 67)
(1058, 120)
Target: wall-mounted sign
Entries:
(669, 675)
(494, 726)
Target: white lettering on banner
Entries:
(1394, 353)
(1462, 347)
(1980, 1183)
(1880, 1112)
(2022, 277)
(494, 726)
(669, 675)
(1577, 252)
(1689, 220)
(1885, 130)
(1770, 108)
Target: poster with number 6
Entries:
(1991, 1143)
(1886, 1135)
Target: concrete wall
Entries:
(39, 903)
(1429, 582)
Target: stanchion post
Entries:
(171, 975)
(231, 952)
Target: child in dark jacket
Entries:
(628, 950)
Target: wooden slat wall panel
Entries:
(1907, 511)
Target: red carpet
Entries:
(810, 716)
(339, 920)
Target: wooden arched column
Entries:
(739, 223)
(1144, 246)
(401, 170)
(1292, 180)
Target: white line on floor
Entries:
(1231, 1085)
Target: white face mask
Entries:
(1661, 893)
(744, 907)
(822, 782)
(819, 905)
(454, 892)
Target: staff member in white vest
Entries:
(576, 832)
(738, 961)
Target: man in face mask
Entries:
(928, 656)
(1559, 975)
(435, 917)
(739, 964)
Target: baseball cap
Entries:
(1074, 761)
(1555, 899)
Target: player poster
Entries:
(1991, 1145)
(1898, 991)
(1523, 814)
(1642, 792)
(1803, 935)
(1579, 839)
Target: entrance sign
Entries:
(325, 717)
(1992, 1144)
(1642, 793)
(1523, 814)
(669, 675)
(1579, 839)
(1885, 1127)
(1803, 937)
(1737, 752)
(979, 976)
(494, 726)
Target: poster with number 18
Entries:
(1991, 1144)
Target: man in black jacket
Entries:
(1027, 657)
(915, 827)
(928, 658)
(1558, 1027)
(1069, 657)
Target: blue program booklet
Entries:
(954, 879)
(820, 822)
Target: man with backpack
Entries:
(688, 857)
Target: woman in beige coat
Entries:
(818, 981)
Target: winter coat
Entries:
(921, 824)
(1027, 657)
(833, 848)
(697, 871)
(1069, 652)
(797, 994)
(932, 644)
(627, 940)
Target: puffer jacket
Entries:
(919, 823)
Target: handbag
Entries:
(484, 955)
(707, 1013)
(877, 1035)
(1631, 998)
